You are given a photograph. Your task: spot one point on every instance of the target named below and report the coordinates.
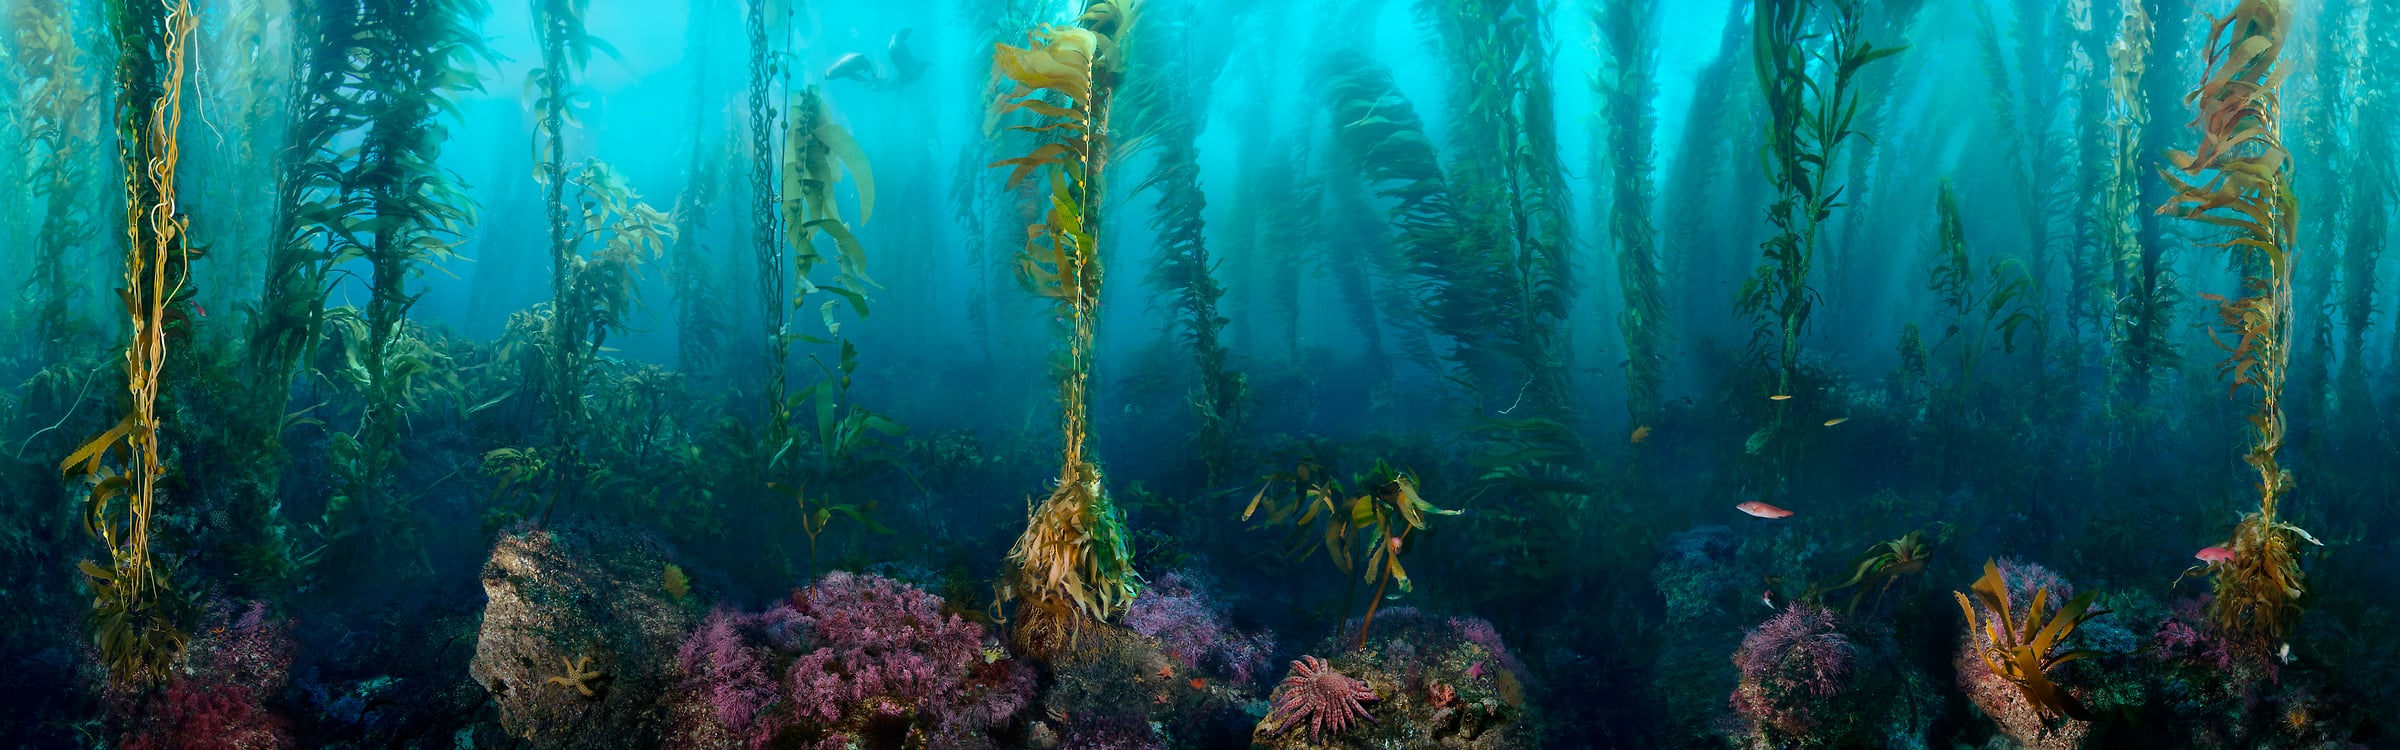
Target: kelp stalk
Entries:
(699, 324)
(54, 90)
(1071, 566)
(2370, 185)
(1812, 109)
(1169, 99)
(1510, 192)
(1450, 285)
(421, 211)
(136, 632)
(566, 50)
(765, 232)
(2239, 179)
(2141, 298)
(1629, 118)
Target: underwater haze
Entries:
(1181, 374)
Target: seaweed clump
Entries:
(2025, 646)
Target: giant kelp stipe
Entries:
(1198, 374)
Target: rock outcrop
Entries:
(579, 637)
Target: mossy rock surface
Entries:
(579, 596)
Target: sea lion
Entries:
(906, 67)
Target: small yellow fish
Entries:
(1779, 397)
(1640, 434)
(1836, 420)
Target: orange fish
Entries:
(1836, 420)
(1640, 434)
(2214, 555)
(1779, 397)
(1762, 510)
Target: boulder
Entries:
(579, 636)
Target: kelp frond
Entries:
(1883, 565)
(2007, 300)
(54, 89)
(1384, 511)
(818, 152)
(1457, 290)
(428, 59)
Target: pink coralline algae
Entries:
(238, 662)
(1433, 635)
(2024, 578)
(196, 715)
(2186, 638)
(1789, 665)
(853, 649)
(1328, 700)
(253, 650)
(1479, 631)
(1190, 627)
(720, 661)
(1112, 732)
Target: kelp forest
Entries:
(1184, 374)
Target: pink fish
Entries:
(2214, 555)
(1762, 510)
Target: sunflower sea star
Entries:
(1327, 699)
